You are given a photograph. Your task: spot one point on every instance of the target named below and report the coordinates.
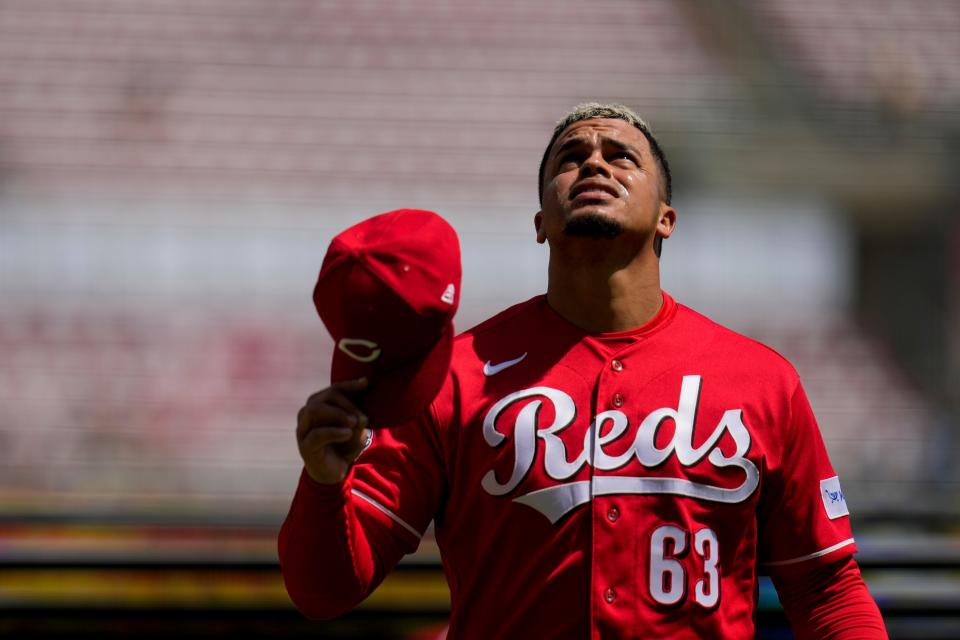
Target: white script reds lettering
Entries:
(557, 500)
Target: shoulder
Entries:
(502, 338)
(517, 315)
(735, 349)
(507, 330)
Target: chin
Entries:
(593, 224)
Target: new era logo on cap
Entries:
(449, 293)
(387, 294)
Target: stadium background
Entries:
(171, 172)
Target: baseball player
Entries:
(600, 461)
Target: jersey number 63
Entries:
(668, 579)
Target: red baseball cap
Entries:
(387, 292)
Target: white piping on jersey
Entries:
(554, 502)
(811, 556)
(389, 513)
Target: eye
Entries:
(620, 156)
(567, 159)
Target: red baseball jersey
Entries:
(621, 485)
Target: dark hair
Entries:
(591, 110)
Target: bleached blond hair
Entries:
(592, 110)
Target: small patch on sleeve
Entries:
(832, 496)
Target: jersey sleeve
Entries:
(338, 542)
(831, 601)
(400, 479)
(803, 515)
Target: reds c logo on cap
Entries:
(348, 346)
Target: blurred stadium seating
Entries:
(868, 54)
(170, 174)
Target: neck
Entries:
(599, 294)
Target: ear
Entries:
(538, 225)
(667, 220)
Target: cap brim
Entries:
(404, 392)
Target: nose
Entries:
(595, 165)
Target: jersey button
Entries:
(617, 400)
(613, 514)
(609, 595)
(616, 365)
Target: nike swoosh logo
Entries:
(493, 369)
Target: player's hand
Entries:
(331, 431)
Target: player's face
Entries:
(602, 171)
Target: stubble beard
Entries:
(593, 225)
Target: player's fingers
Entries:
(344, 386)
(351, 386)
(359, 440)
(336, 397)
(320, 437)
(337, 394)
(320, 415)
(351, 448)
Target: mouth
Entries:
(593, 190)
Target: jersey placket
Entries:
(613, 583)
